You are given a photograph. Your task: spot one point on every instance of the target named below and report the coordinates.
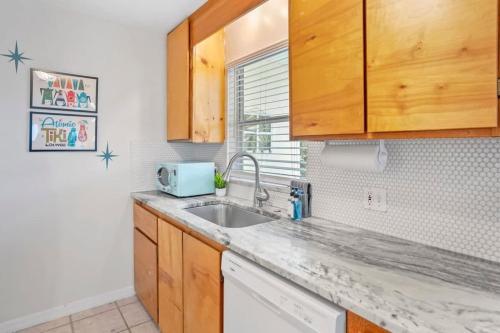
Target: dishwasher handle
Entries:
(268, 304)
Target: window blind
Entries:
(258, 116)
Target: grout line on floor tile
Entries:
(71, 325)
(53, 328)
(141, 323)
(97, 314)
(123, 317)
(71, 321)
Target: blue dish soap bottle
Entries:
(298, 206)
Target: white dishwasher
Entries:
(256, 300)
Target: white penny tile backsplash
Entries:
(146, 155)
(442, 192)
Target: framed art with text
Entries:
(62, 91)
(62, 132)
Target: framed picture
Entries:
(62, 132)
(62, 91)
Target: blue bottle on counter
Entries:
(297, 216)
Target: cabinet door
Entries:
(357, 324)
(209, 82)
(326, 67)
(431, 65)
(178, 83)
(202, 287)
(170, 301)
(145, 273)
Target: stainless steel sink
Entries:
(231, 216)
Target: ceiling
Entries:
(161, 15)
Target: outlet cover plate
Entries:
(375, 199)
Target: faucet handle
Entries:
(261, 196)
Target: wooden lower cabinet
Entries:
(357, 324)
(179, 280)
(202, 287)
(189, 282)
(170, 281)
(145, 273)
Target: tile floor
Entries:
(126, 315)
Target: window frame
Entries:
(237, 120)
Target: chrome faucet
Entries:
(260, 194)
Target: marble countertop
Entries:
(397, 284)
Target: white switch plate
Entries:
(376, 199)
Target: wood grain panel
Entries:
(357, 324)
(178, 80)
(431, 65)
(496, 131)
(146, 222)
(145, 273)
(170, 301)
(208, 99)
(462, 133)
(215, 15)
(326, 67)
(202, 287)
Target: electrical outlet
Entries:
(376, 199)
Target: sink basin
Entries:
(230, 216)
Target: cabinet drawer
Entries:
(145, 273)
(146, 222)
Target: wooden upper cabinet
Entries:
(178, 71)
(326, 67)
(202, 287)
(170, 279)
(145, 273)
(431, 65)
(357, 324)
(215, 15)
(208, 93)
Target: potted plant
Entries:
(220, 185)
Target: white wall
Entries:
(65, 221)
(262, 27)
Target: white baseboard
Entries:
(64, 310)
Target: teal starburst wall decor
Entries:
(107, 155)
(16, 56)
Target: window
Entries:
(258, 116)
